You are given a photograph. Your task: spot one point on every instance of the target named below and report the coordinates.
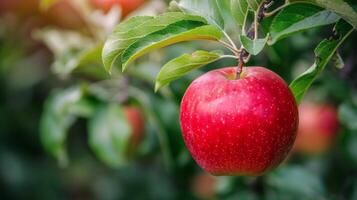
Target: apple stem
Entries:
(239, 68)
(241, 61)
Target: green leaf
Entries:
(239, 10)
(205, 8)
(340, 7)
(295, 179)
(347, 113)
(253, 47)
(231, 27)
(299, 17)
(57, 117)
(174, 33)
(180, 66)
(109, 135)
(254, 4)
(323, 52)
(135, 28)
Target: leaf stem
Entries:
(233, 49)
(244, 24)
(256, 24)
(273, 12)
(230, 40)
(229, 56)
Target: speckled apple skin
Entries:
(239, 127)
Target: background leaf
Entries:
(66, 64)
(135, 28)
(57, 117)
(109, 134)
(180, 66)
(299, 17)
(153, 118)
(323, 52)
(254, 47)
(295, 179)
(71, 50)
(174, 33)
(347, 114)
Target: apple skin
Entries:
(137, 124)
(318, 128)
(127, 5)
(240, 126)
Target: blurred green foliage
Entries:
(162, 168)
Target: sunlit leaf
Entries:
(135, 28)
(109, 135)
(206, 8)
(254, 47)
(323, 52)
(174, 33)
(180, 66)
(239, 10)
(62, 41)
(299, 17)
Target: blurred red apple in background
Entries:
(62, 13)
(204, 186)
(318, 127)
(239, 126)
(136, 121)
(127, 6)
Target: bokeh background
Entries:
(37, 44)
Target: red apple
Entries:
(62, 13)
(127, 6)
(318, 127)
(136, 121)
(204, 186)
(242, 126)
